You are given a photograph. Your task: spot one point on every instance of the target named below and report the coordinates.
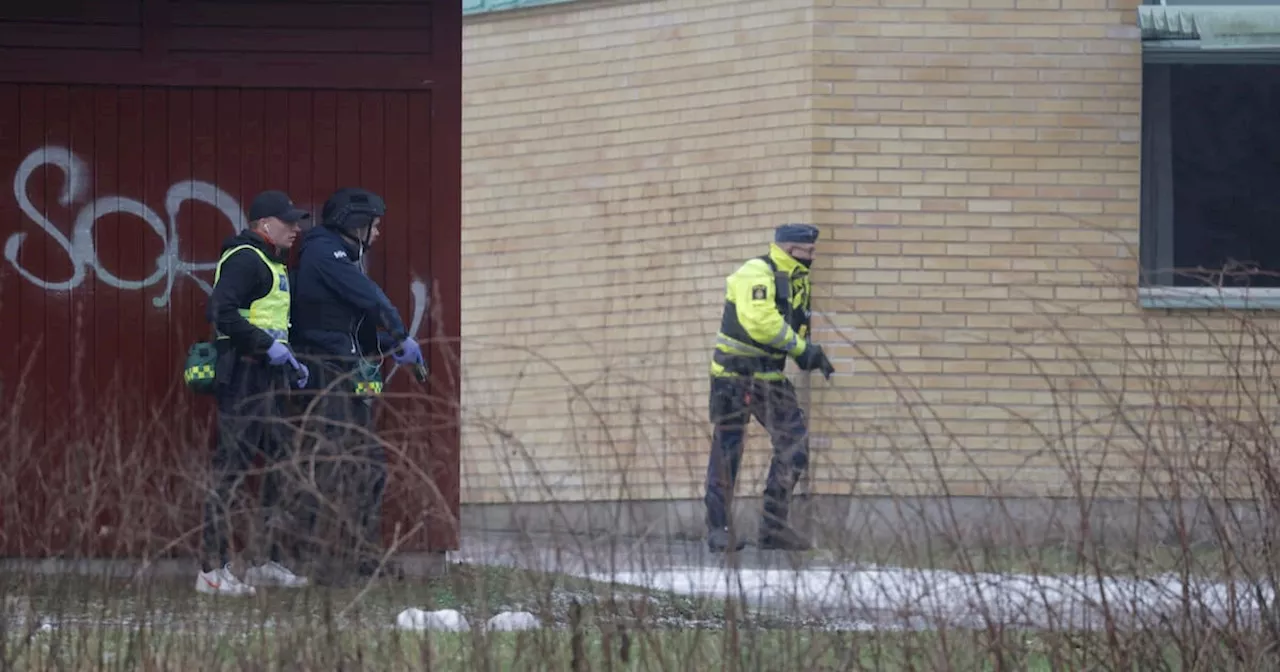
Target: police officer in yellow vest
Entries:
(766, 319)
(249, 308)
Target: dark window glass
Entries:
(1225, 131)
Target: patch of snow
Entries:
(513, 620)
(958, 598)
(449, 620)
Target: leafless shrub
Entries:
(1121, 516)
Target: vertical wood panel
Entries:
(188, 459)
(203, 228)
(57, 323)
(12, 469)
(82, 144)
(28, 383)
(202, 221)
(160, 354)
(302, 152)
(347, 146)
(83, 416)
(180, 132)
(253, 144)
(103, 166)
(36, 255)
(136, 245)
(324, 145)
(371, 133)
(158, 444)
(275, 143)
(57, 329)
(139, 247)
(395, 135)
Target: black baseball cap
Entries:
(276, 204)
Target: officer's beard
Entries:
(805, 262)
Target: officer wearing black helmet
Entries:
(336, 308)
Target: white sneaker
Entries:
(274, 574)
(222, 582)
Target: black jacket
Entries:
(336, 307)
(244, 279)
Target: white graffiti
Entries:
(83, 253)
(418, 297)
(81, 249)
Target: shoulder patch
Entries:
(759, 292)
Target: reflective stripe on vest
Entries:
(271, 312)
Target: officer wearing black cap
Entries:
(249, 309)
(766, 319)
(342, 325)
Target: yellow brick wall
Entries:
(618, 159)
(974, 163)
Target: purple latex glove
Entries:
(279, 353)
(408, 352)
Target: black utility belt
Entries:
(747, 365)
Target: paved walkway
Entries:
(875, 596)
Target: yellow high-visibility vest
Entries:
(271, 312)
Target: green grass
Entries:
(478, 592)
(300, 648)
(164, 625)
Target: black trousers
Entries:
(732, 404)
(252, 424)
(347, 468)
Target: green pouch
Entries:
(198, 371)
(368, 377)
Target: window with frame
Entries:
(1210, 190)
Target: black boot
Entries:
(718, 541)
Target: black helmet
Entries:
(352, 208)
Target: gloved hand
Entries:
(279, 353)
(814, 358)
(409, 352)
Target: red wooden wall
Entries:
(132, 137)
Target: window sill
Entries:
(1193, 298)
